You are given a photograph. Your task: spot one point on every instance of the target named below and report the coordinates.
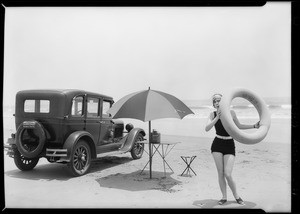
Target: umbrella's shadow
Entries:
(136, 181)
(212, 203)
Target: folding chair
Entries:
(188, 160)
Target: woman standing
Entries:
(223, 150)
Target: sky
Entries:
(189, 52)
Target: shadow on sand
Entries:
(212, 203)
(51, 171)
(108, 162)
(57, 171)
(136, 181)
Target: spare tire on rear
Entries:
(30, 138)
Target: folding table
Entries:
(166, 148)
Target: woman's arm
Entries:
(243, 126)
(211, 121)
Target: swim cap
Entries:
(216, 97)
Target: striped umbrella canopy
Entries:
(149, 105)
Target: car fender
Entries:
(74, 137)
(127, 146)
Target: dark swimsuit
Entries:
(225, 146)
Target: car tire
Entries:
(23, 163)
(138, 148)
(80, 161)
(31, 149)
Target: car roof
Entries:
(67, 92)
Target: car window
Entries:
(77, 106)
(29, 106)
(105, 107)
(92, 107)
(44, 106)
(37, 106)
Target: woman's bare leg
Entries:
(228, 167)
(218, 157)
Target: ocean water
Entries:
(194, 124)
(278, 108)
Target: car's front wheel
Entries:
(138, 148)
(23, 163)
(80, 159)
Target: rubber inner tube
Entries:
(229, 125)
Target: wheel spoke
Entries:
(25, 161)
(80, 165)
(138, 148)
(76, 164)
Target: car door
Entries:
(76, 121)
(92, 120)
(106, 134)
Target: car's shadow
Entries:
(57, 171)
(137, 181)
(212, 203)
(108, 162)
(51, 171)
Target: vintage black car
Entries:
(68, 126)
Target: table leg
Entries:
(163, 156)
(149, 160)
(162, 149)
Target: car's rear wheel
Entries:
(80, 159)
(23, 163)
(138, 148)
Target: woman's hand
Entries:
(212, 120)
(257, 125)
(218, 114)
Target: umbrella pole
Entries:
(150, 150)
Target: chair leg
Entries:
(188, 163)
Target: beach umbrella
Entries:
(149, 105)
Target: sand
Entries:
(262, 173)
